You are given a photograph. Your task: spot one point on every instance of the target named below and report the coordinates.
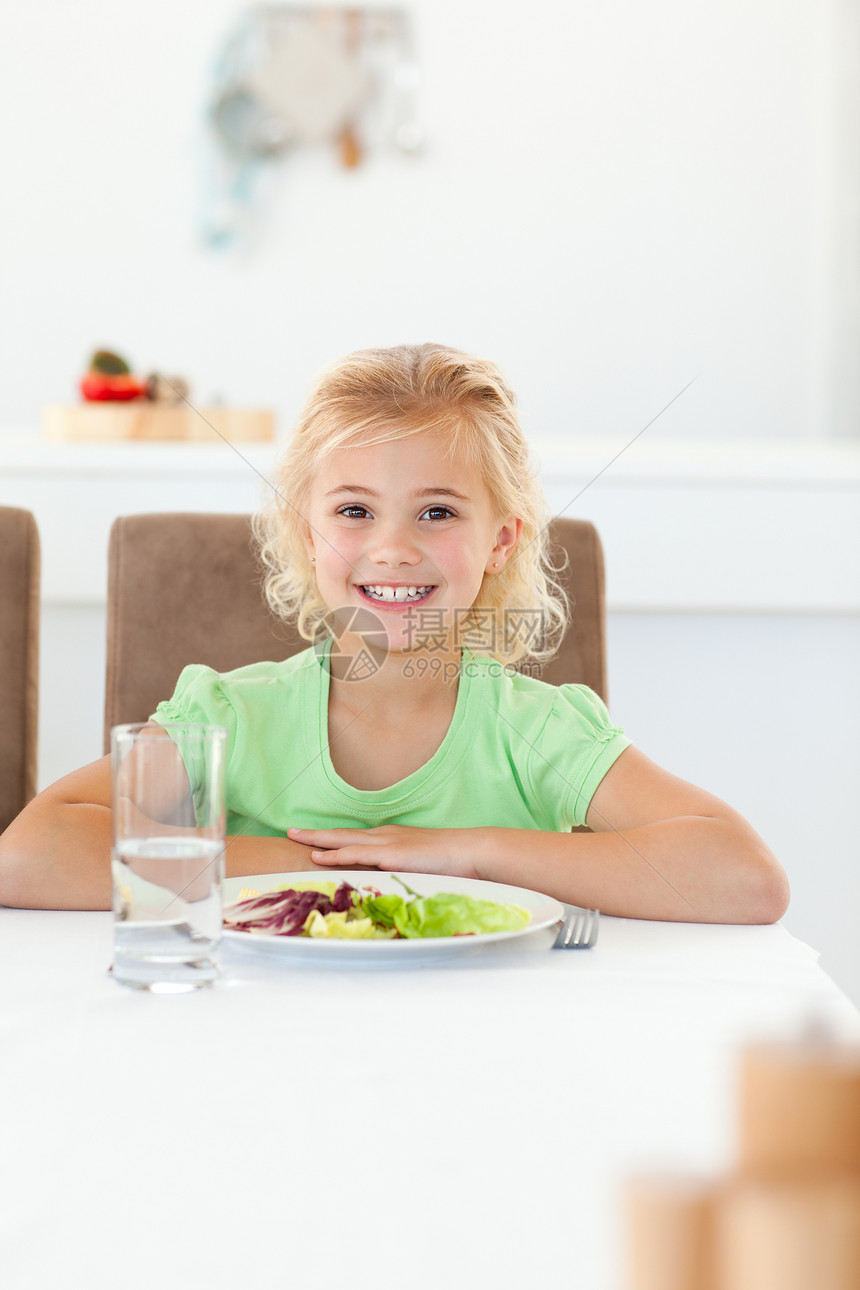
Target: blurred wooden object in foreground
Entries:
(142, 420)
(800, 1110)
(670, 1233)
(788, 1217)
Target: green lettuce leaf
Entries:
(384, 910)
(447, 914)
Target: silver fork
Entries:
(578, 930)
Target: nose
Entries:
(394, 544)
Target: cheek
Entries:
(336, 554)
(462, 563)
(336, 560)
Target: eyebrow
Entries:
(418, 492)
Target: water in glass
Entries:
(167, 912)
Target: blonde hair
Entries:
(378, 395)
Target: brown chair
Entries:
(187, 589)
(20, 570)
(581, 658)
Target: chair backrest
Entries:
(187, 588)
(581, 656)
(20, 569)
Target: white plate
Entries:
(544, 911)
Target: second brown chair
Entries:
(20, 569)
(187, 588)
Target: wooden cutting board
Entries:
(140, 421)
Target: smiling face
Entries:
(398, 526)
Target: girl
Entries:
(407, 536)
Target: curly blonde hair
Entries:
(378, 395)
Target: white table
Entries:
(467, 1124)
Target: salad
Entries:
(363, 913)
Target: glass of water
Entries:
(167, 855)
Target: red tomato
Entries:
(99, 387)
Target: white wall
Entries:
(614, 198)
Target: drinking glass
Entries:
(167, 855)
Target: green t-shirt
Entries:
(518, 754)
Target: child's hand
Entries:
(391, 847)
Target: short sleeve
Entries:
(575, 749)
(198, 697)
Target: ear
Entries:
(506, 540)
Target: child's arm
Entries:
(56, 854)
(660, 848)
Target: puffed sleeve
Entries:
(199, 697)
(575, 749)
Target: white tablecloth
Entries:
(467, 1124)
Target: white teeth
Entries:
(381, 592)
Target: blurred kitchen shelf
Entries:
(142, 421)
